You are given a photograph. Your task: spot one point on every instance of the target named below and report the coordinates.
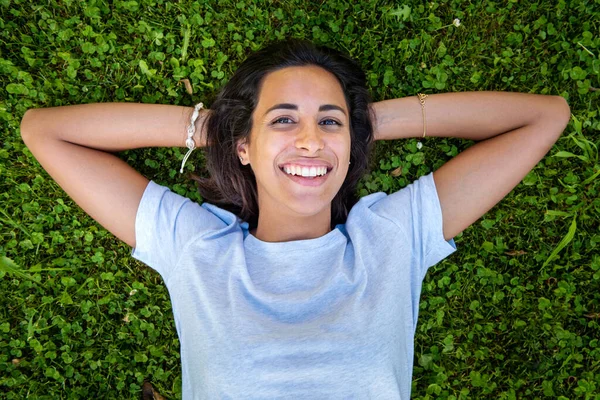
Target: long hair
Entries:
(232, 186)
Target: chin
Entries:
(300, 207)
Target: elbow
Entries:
(555, 118)
(562, 113)
(32, 125)
(26, 126)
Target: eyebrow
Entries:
(288, 106)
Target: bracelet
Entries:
(422, 98)
(189, 143)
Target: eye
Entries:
(332, 120)
(281, 119)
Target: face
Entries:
(312, 127)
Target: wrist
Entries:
(400, 118)
(379, 119)
(191, 142)
(200, 133)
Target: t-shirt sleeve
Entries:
(165, 222)
(416, 209)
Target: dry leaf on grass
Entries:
(148, 392)
(515, 253)
(396, 172)
(188, 85)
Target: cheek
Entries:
(266, 152)
(342, 147)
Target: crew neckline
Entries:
(255, 244)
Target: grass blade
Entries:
(566, 240)
(186, 43)
(591, 178)
(7, 265)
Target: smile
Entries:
(307, 181)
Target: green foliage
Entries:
(514, 314)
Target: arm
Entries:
(115, 127)
(514, 130)
(467, 115)
(72, 143)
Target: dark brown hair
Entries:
(232, 186)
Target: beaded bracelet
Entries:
(189, 143)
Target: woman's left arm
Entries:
(468, 115)
(514, 130)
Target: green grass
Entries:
(513, 314)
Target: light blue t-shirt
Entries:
(326, 318)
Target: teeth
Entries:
(305, 171)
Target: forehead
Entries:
(306, 85)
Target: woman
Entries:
(283, 285)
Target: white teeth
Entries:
(305, 171)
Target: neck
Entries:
(278, 227)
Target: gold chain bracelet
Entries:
(422, 98)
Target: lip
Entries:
(306, 163)
(316, 181)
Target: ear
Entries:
(243, 149)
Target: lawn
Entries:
(514, 313)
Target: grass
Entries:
(513, 314)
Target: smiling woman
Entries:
(283, 283)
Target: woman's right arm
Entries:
(73, 144)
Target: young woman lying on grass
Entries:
(284, 285)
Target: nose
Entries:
(310, 138)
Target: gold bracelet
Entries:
(422, 98)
